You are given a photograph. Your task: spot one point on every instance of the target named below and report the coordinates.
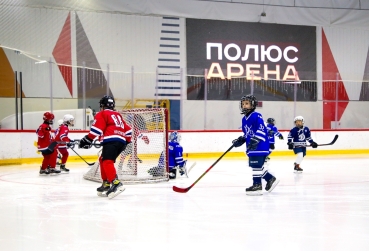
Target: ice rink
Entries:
(324, 208)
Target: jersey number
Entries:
(118, 121)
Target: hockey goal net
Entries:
(149, 142)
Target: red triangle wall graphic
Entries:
(63, 54)
(330, 71)
(7, 77)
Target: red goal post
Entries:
(149, 142)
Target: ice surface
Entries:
(324, 208)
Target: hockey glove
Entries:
(314, 144)
(280, 137)
(239, 141)
(271, 133)
(253, 144)
(70, 144)
(85, 143)
(271, 146)
(290, 145)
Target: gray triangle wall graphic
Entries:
(95, 87)
(364, 92)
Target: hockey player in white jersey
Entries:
(257, 145)
(297, 141)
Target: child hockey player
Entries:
(61, 135)
(115, 135)
(257, 145)
(297, 141)
(59, 156)
(46, 145)
(175, 158)
(272, 132)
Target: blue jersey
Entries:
(253, 126)
(175, 155)
(275, 131)
(299, 136)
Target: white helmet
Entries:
(69, 119)
(60, 122)
(299, 118)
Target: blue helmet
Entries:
(174, 137)
(271, 121)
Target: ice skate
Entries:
(183, 171)
(271, 184)
(52, 170)
(63, 168)
(103, 189)
(298, 169)
(44, 171)
(115, 189)
(173, 173)
(255, 189)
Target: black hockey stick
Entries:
(52, 146)
(90, 164)
(75, 142)
(185, 190)
(328, 144)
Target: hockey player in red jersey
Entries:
(116, 134)
(46, 145)
(61, 135)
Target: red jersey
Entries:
(110, 125)
(44, 136)
(61, 134)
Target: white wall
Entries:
(35, 104)
(127, 33)
(225, 115)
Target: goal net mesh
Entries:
(149, 142)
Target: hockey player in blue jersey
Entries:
(272, 132)
(297, 141)
(175, 157)
(257, 145)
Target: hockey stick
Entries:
(90, 164)
(52, 146)
(185, 190)
(189, 169)
(75, 142)
(328, 144)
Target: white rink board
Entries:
(21, 144)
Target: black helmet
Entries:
(271, 121)
(107, 101)
(253, 102)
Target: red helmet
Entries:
(49, 117)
